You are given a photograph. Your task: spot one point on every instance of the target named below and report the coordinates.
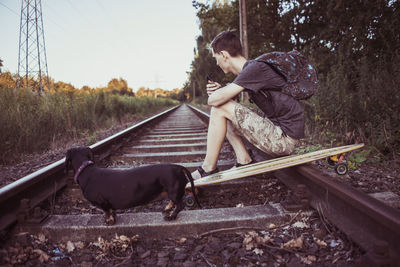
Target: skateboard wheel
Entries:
(189, 201)
(341, 168)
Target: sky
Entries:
(148, 43)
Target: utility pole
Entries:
(194, 92)
(243, 37)
(32, 61)
(243, 27)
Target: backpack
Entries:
(301, 78)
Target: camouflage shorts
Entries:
(261, 132)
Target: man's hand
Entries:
(212, 86)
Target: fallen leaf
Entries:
(124, 238)
(70, 246)
(116, 246)
(294, 243)
(300, 225)
(258, 251)
(321, 243)
(42, 238)
(79, 245)
(271, 225)
(308, 260)
(182, 240)
(253, 240)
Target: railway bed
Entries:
(179, 136)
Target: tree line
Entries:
(114, 86)
(354, 45)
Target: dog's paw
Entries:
(165, 212)
(168, 208)
(170, 217)
(109, 217)
(110, 220)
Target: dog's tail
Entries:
(190, 179)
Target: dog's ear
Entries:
(67, 161)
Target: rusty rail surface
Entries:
(44, 183)
(370, 223)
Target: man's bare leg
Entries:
(242, 155)
(217, 130)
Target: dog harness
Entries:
(81, 168)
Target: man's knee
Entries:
(226, 110)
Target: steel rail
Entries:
(370, 223)
(44, 183)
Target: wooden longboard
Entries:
(272, 165)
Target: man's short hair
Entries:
(228, 41)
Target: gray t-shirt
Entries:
(283, 110)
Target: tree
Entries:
(143, 92)
(6, 80)
(266, 31)
(119, 86)
(354, 45)
(86, 89)
(66, 88)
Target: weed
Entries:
(307, 149)
(91, 139)
(364, 155)
(29, 122)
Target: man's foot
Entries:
(237, 164)
(250, 161)
(200, 173)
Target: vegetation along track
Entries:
(178, 135)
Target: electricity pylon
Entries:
(32, 61)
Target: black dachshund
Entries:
(121, 189)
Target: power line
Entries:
(9, 9)
(52, 21)
(47, 19)
(84, 16)
(114, 25)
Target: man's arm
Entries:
(223, 95)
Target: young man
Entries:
(275, 132)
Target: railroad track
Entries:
(179, 135)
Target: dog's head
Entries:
(78, 155)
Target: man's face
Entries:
(221, 61)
